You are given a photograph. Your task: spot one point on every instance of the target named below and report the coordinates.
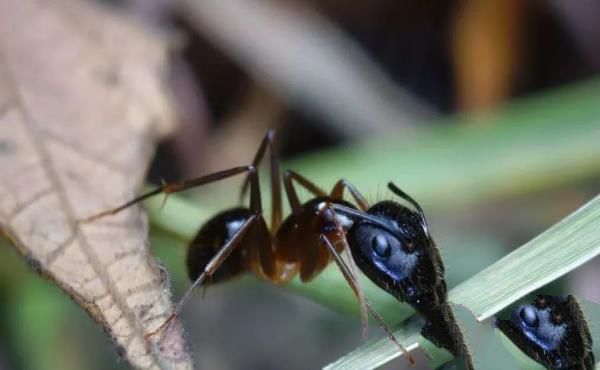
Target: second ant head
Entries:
(552, 331)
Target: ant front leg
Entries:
(352, 279)
(349, 270)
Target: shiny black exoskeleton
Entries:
(401, 258)
(217, 232)
(391, 244)
(553, 332)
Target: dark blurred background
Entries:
(427, 63)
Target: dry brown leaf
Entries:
(81, 105)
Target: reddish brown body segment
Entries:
(290, 247)
(294, 246)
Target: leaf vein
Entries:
(19, 209)
(93, 259)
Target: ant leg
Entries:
(262, 254)
(288, 178)
(351, 279)
(338, 193)
(174, 187)
(276, 211)
(210, 269)
(340, 238)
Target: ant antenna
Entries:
(396, 190)
(354, 284)
(351, 212)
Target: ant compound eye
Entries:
(529, 316)
(381, 246)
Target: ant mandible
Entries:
(238, 240)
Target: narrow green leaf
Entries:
(534, 144)
(379, 352)
(558, 250)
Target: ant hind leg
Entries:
(209, 269)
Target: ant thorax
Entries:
(552, 331)
(314, 216)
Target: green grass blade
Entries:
(534, 144)
(538, 143)
(378, 351)
(558, 250)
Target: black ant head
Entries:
(551, 331)
(392, 246)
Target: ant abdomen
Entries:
(248, 256)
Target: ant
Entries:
(238, 240)
(392, 246)
(553, 332)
